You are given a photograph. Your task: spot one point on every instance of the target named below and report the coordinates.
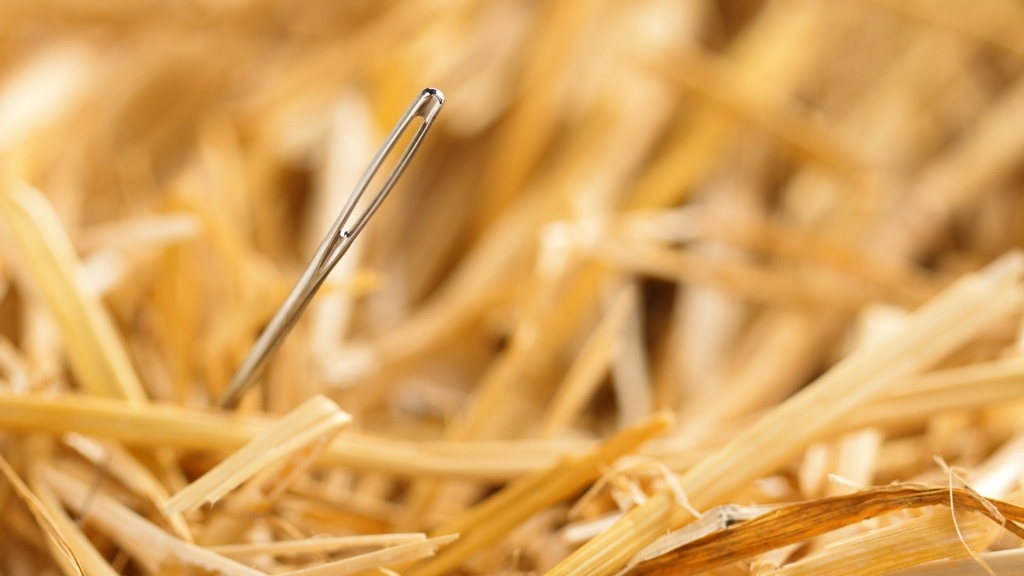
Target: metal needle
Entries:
(334, 245)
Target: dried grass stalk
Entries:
(318, 417)
(44, 518)
(49, 264)
(800, 522)
(316, 544)
(148, 544)
(948, 321)
(85, 553)
(722, 210)
(494, 517)
(395, 555)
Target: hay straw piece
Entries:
(49, 264)
(994, 26)
(696, 223)
(259, 494)
(714, 520)
(714, 79)
(400, 554)
(173, 426)
(949, 320)
(153, 547)
(790, 30)
(978, 163)
(493, 518)
(157, 231)
(92, 562)
(55, 536)
(1004, 563)
(746, 280)
(798, 522)
(315, 418)
(967, 387)
(930, 537)
(42, 90)
(631, 374)
(120, 464)
(316, 544)
(590, 365)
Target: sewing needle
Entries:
(334, 245)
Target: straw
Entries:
(792, 228)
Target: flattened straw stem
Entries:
(334, 245)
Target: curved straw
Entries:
(334, 245)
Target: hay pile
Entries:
(717, 287)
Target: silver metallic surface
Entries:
(334, 245)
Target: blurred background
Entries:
(695, 206)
